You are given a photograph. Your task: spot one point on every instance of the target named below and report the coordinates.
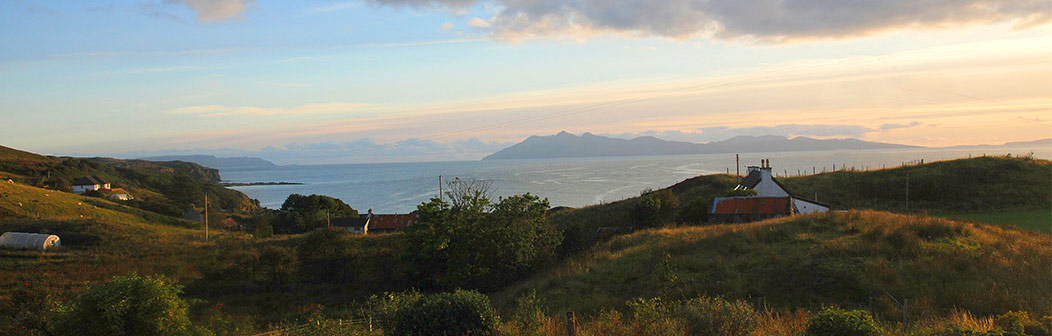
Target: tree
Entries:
(304, 213)
(472, 243)
(129, 305)
(655, 208)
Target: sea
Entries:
(573, 182)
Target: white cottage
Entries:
(762, 180)
(83, 184)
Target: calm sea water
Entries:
(400, 187)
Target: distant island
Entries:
(216, 162)
(566, 145)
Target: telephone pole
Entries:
(440, 188)
(737, 169)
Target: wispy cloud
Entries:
(224, 111)
(767, 20)
(333, 7)
(216, 10)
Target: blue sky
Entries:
(407, 80)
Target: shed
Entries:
(29, 241)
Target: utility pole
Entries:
(206, 216)
(328, 222)
(440, 198)
(737, 169)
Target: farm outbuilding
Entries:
(29, 241)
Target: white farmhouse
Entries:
(92, 182)
(762, 180)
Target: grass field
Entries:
(850, 259)
(1033, 220)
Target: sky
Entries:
(309, 82)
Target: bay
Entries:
(574, 182)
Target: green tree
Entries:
(473, 244)
(304, 213)
(129, 305)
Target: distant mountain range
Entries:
(216, 162)
(566, 145)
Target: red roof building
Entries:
(391, 223)
(748, 209)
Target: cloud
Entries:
(447, 26)
(771, 20)
(888, 127)
(225, 111)
(478, 23)
(215, 10)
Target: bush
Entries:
(384, 309)
(530, 315)
(457, 313)
(325, 256)
(129, 305)
(716, 316)
(833, 321)
(277, 266)
(1013, 322)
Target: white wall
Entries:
(805, 207)
(767, 187)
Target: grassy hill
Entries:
(100, 239)
(972, 185)
(998, 190)
(851, 259)
(163, 187)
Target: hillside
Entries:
(978, 184)
(999, 190)
(100, 239)
(217, 162)
(163, 187)
(845, 259)
(566, 145)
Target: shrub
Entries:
(456, 313)
(128, 305)
(325, 257)
(833, 321)
(384, 309)
(716, 316)
(1013, 322)
(654, 317)
(530, 315)
(277, 266)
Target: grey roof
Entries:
(89, 180)
(751, 180)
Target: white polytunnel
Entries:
(29, 241)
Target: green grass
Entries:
(100, 239)
(1033, 220)
(965, 185)
(811, 261)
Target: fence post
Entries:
(905, 314)
(571, 324)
